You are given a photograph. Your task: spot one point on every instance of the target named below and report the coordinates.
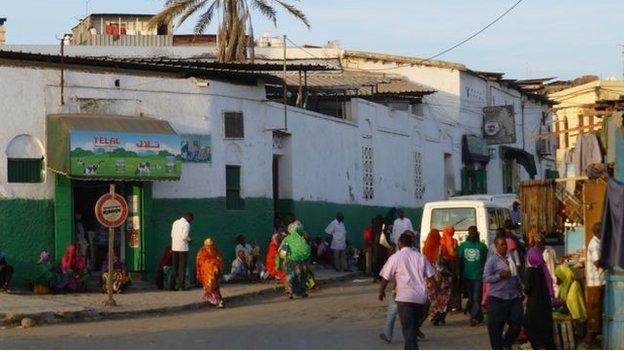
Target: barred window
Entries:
(25, 170)
(368, 178)
(233, 199)
(234, 125)
(419, 184)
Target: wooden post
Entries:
(111, 246)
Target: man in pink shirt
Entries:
(411, 271)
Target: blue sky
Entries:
(562, 38)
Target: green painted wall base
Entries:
(315, 217)
(26, 228)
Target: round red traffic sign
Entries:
(111, 210)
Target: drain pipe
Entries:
(285, 90)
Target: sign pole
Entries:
(111, 246)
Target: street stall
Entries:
(575, 204)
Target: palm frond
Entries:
(205, 18)
(189, 11)
(174, 9)
(265, 9)
(295, 12)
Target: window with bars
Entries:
(25, 170)
(368, 177)
(234, 125)
(419, 184)
(233, 199)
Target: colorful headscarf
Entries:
(448, 243)
(432, 246)
(209, 265)
(71, 260)
(44, 257)
(535, 258)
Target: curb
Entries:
(89, 315)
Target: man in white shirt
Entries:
(594, 276)
(411, 271)
(339, 242)
(180, 239)
(401, 224)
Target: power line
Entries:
(454, 46)
(475, 34)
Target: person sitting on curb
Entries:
(240, 270)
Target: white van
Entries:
(460, 214)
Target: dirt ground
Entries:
(340, 316)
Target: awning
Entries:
(523, 157)
(108, 147)
(474, 149)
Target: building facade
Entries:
(252, 169)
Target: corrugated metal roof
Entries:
(241, 72)
(362, 83)
(113, 123)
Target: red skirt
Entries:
(270, 263)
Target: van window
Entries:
(492, 219)
(458, 218)
(503, 216)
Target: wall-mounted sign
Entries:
(124, 155)
(499, 124)
(196, 148)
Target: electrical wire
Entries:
(475, 34)
(454, 46)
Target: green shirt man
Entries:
(472, 255)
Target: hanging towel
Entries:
(612, 230)
(587, 152)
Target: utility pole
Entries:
(285, 90)
(622, 46)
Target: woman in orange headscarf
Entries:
(276, 240)
(431, 248)
(440, 252)
(209, 266)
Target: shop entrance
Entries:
(92, 238)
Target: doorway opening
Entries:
(91, 238)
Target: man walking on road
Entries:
(411, 271)
(180, 240)
(400, 225)
(472, 255)
(339, 242)
(504, 302)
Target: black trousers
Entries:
(499, 313)
(178, 260)
(411, 315)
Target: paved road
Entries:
(346, 316)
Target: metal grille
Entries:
(419, 185)
(233, 200)
(367, 161)
(25, 170)
(234, 127)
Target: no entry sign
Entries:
(111, 210)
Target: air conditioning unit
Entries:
(544, 147)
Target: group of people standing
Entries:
(518, 291)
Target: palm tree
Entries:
(235, 18)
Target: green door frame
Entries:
(63, 215)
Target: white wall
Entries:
(323, 154)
